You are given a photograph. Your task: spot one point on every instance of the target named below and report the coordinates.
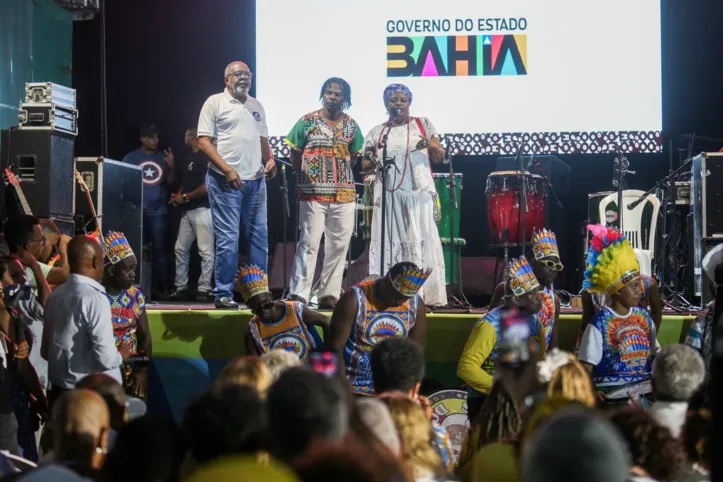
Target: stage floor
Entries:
(192, 342)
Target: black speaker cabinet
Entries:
(43, 161)
(116, 191)
(707, 208)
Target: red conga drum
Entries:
(504, 205)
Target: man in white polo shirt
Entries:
(232, 132)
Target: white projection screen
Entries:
(560, 76)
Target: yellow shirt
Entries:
(495, 463)
(478, 348)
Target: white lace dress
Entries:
(411, 230)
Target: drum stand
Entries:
(455, 280)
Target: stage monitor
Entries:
(560, 76)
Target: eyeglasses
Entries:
(241, 75)
(553, 265)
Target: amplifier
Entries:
(115, 190)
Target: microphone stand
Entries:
(522, 175)
(287, 214)
(454, 260)
(386, 164)
(661, 183)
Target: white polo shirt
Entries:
(236, 129)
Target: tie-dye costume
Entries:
(374, 322)
(619, 347)
(627, 346)
(289, 333)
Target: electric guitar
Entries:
(11, 178)
(96, 233)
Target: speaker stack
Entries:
(39, 152)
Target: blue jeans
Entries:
(155, 230)
(234, 212)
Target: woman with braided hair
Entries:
(498, 421)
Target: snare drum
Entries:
(503, 206)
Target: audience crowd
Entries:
(74, 374)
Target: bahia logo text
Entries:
(457, 55)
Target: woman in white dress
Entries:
(412, 203)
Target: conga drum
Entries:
(504, 206)
(441, 184)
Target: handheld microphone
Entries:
(396, 112)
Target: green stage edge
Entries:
(215, 337)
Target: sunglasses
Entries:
(553, 265)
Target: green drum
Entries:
(448, 214)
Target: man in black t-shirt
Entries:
(196, 223)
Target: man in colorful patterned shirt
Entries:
(128, 308)
(373, 311)
(285, 325)
(619, 342)
(477, 364)
(325, 144)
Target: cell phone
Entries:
(514, 349)
(324, 361)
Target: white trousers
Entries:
(196, 225)
(336, 222)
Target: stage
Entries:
(193, 342)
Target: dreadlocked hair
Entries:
(573, 382)
(498, 420)
(343, 85)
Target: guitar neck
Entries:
(23, 201)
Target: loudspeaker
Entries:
(43, 161)
(116, 191)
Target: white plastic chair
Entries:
(632, 221)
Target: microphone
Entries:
(396, 112)
(532, 160)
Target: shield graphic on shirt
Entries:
(152, 173)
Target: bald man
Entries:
(232, 132)
(113, 394)
(80, 424)
(78, 335)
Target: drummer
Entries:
(546, 266)
(477, 364)
(620, 340)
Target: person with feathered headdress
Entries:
(127, 306)
(287, 325)
(619, 342)
(545, 265)
(477, 364)
(373, 311)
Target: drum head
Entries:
(449, 410)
